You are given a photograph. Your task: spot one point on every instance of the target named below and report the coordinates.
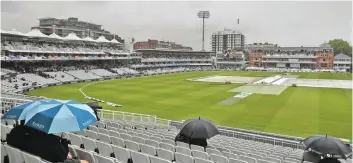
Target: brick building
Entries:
(155, 44)
(292, 57)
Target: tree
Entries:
(340, 46)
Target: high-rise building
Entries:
(226, 40)
(63, 27)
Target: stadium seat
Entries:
(230, 155)
(104, 149)
(92, 134)
(29, 158)
(168, 141)
(182, 158)
(196, 147)
(82, 133)
(165, 154)
(183, 150)
(200, 154)
(103, 159)
(75, 140)
(138, 139)
(200, 160)
(247, 159)
(132, 145)
(231, 160)
(114, 133)
(156, 139)
(117, 141)
(14, 154)
(122, 154)
(103, 131)
(147, 149)
(152, 143)
(125, 136)
(239, 153)
(258, 157)
(263, 161)
(154, 159)
(213, 151)
(85, 155)
(271, 159)
(89, 144)
(182, 144)
(93, 128)
(218, 158)
(72, 150)
(138, 157)
(167, 146)
(3, 153)
(104, 138)
(109, 128)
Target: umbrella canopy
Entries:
(327, 147)
(36, 33)
(198, 129)
(65, 116)
(19, 112)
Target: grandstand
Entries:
(123, 136)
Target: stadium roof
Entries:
(102, 39)
(14, 32)
(3, 31)
(342, 56)
(115, 41)
(72, 36)
(55, 36)
(89, 39)
(36, 33)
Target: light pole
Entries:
(204, 15)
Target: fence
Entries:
(126, 116)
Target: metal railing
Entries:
(135, 117)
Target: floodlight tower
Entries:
(204, 15)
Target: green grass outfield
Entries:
(298, 111)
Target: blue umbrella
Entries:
(19, 112)
(65, 116)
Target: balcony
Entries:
(276, 61)
(288, 56)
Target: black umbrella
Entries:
(198, 129)
(327, 147)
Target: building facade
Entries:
(292, 57)
(342, 62)
(226, 40)
(155, 44)
(82, 29)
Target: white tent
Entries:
(89, 39)
(102, 39)
(72, 36)
(55, 36)
(14, 32)
(114, 41)
(3, 31)
(36, 33)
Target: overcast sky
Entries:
(283, 23)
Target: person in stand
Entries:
(47, 146)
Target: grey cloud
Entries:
(284, 23)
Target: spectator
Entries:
(47, 146)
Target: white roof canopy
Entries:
(115, 41)
(102, 39)
(89, 39)
(2, 31)
(72, 36)
(55, 36)
(14, 32)
(36, 33)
